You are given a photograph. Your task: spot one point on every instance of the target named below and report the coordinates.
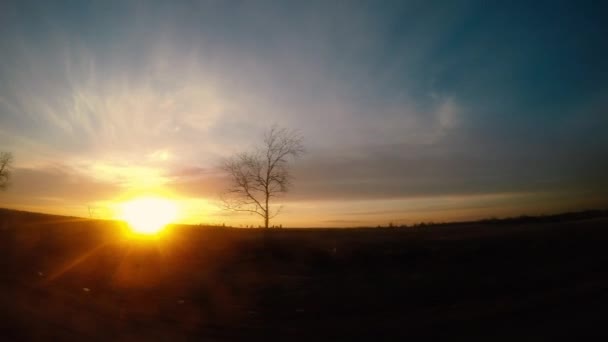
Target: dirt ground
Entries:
(73, 279)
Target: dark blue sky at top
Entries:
(496, 95)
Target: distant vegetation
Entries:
(6, 161)
(562, 217)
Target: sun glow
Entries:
(148, 215)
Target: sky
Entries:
(410, 110)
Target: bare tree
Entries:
(6, 161)
(259, 176)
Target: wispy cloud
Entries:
(395, 100)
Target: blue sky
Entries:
(411, 110)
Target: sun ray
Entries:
(72, 263)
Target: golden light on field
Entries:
(148, 215)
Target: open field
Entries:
(73, 279)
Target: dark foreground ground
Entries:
(71, 279)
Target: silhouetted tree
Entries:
(259, 176)
(6, 161)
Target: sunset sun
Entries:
(148, 215)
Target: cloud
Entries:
(56, 185)
(123, 93)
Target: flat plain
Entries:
(65, 278)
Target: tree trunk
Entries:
(266, 214)
(267, 211)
